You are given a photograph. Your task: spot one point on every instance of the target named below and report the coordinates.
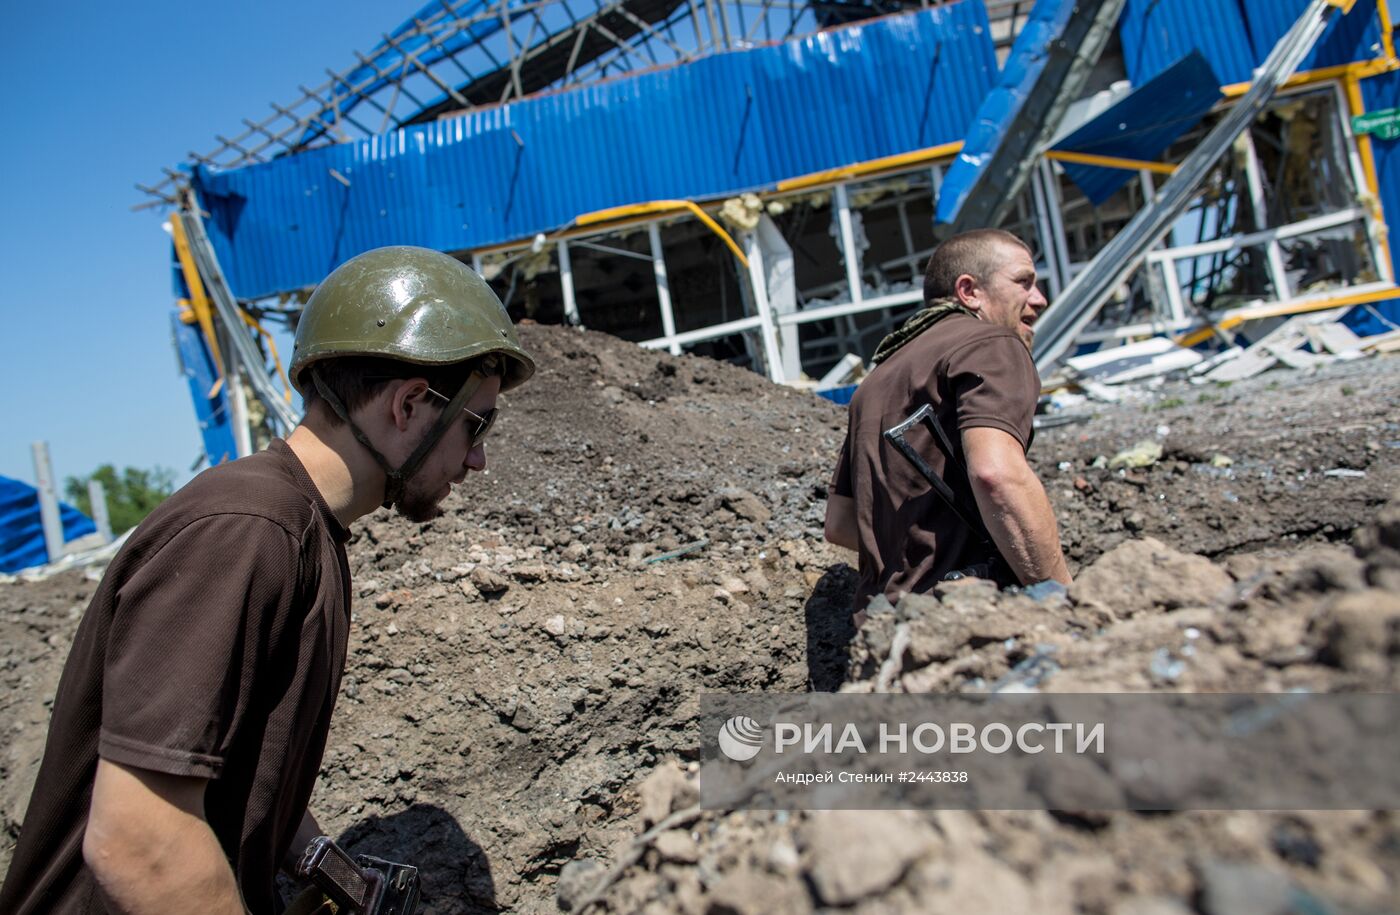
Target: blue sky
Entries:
(99, 96)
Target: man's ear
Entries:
(968, 291)
(406, 397)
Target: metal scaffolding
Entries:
(458, 55)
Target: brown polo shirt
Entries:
(975, 374)
(213, 648)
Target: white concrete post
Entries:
(48, 501)
(1055, 204)
(1254, 176)
(663, 289)
(1053, 278)
(238, 407)
(566, 283)
(780, 284)
(842, 203)
(97, 495)
(758, 282)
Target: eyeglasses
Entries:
(477, 426)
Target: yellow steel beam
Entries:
(1129, 165)
(637, 210)
(862, 169)
(199, 301)
(1356, 105)
(1387, 39)
(1286, 308)
(197, 309)
(256, 325)
(1360, 70)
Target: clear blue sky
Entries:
(99, 96)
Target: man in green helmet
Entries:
(189, 725)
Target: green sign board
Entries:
(1383, 124)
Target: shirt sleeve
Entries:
(191, 635)
(841, 477)
(996, 386)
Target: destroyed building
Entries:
(763, 182)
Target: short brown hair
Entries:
(974, 253)
(356, 380)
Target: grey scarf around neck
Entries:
(921, 321)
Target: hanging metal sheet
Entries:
(1236, 35)
(1049, 64)
(210, 399)
(1142, 125)
(1077, 304)
(718, 126)
(1355, 36)
(1157, 33)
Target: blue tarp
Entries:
(717, 126)
(22, 530)
(1142, 125)
(839, 396)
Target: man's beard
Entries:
(418, 506)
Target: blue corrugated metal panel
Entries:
(714, 127)
(1377, 93)
(1142, 125)
(1157, 33)
(1236, 35)
(22, 528)
(997, 116)
(211, 412)
(1355, 36)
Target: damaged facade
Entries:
(763, 184)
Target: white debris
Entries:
(1150, 358)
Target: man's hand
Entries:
(841, 522)
(1014, 506)
(151, 849)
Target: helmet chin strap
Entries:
(396, 479)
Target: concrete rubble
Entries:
(519, 704)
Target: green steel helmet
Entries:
(411, 304)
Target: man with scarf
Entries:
(967, 354)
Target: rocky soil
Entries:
(1145, 616)
(520, 666)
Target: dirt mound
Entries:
(1310, 620)
(518, 666)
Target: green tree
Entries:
(131, 496)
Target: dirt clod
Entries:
(1140, 576)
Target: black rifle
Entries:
(364, 885)
(994, 568)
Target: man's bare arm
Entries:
(841, 521)
(1014, 506)
(150, 847)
